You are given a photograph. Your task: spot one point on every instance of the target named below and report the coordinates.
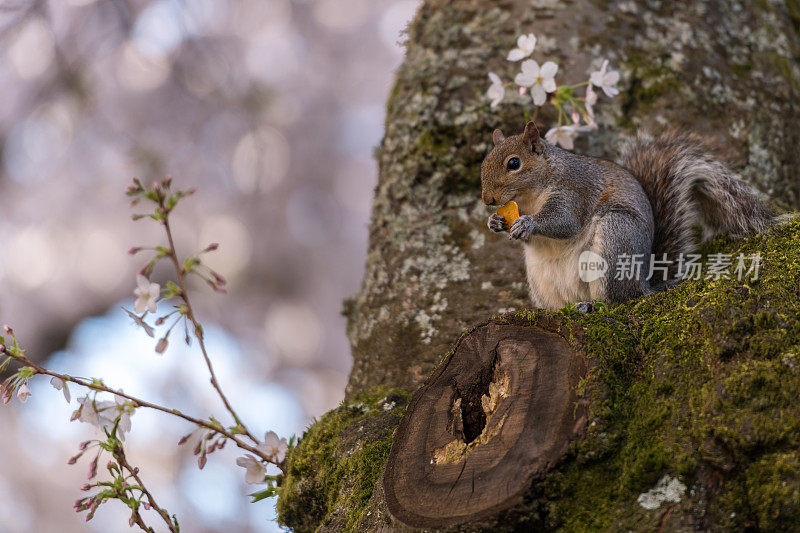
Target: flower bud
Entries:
(93, 469)
(162, 345)
(23, 393)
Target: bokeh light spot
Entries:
(236, 245)
(138, 72)
(32, 49)
(341, 15)
(294, 329)
(34, 258)
(159, 29)
(260, 160)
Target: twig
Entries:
(197, 328)
(119, 455)
(98, 386)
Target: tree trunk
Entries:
(433, 269)
(725, 69)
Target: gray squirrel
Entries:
(571, 204)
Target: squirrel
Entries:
(647, 206)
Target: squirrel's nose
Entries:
(490, 201)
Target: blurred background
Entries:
(271, 109)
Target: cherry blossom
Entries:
(255, 469)
(540, 80)
(60, 384)
(525, 46)
(90, 412)
(274, 447)
(23, 393)
(605, 80)
(104, 414)
(496, 90)
(562, 135)
(146, 293)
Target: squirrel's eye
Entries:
(514, 163)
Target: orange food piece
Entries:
(510, 212)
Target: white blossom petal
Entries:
(563, 135)
(539, 95)
(146, 294)
(255, 469)
(529, 74)
(611, 92)
(549, 70)
(142, 283)
(60, 384)
(549, 84)
(605, 80)
(591, 98)
(496, 91)
(525, 46)
(525, 79)
(515, 55)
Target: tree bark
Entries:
(725, 69)
(728, 70)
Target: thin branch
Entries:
(119, 455)
(98, 386)
(197, 328)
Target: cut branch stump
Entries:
(493, 418)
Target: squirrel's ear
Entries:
(498, 137)
(531, 136)
(531, 133)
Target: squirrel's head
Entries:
(512, 165)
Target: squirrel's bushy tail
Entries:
(687, 186)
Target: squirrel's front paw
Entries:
(522, 228)
(497, 223)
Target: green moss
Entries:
(331, 472)
(699, 382)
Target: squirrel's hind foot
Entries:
(584, 307)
